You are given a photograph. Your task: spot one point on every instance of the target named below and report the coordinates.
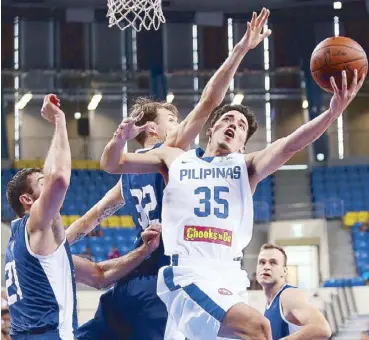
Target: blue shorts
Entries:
(130, 311)
(105, 324)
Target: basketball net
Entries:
(137, 14)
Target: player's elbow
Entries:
(106, 166)
(99, 279)
(324, 331)
(60, 180)
(110, 167)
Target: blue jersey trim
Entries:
(196, 294)
(200, 152)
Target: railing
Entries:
(74, 85)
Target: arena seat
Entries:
(344, 282)
(360, 244)
(340, 189)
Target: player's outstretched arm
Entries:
(108, 205)
(217, 87)
(296, 308)
(127, 130)
(57, 169)
(265, 162)
(102, 274)
(153, 161)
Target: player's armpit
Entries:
(107, 206)
(299, 311)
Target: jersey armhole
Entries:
(282, 314)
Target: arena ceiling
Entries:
(227, 6)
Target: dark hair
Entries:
(150, 109)
(19, 185)
(267, 246)
(245, 110)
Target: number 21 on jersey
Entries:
(11, 272)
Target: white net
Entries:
(135, 13)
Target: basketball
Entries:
(332, 56)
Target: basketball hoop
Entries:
(135, 14)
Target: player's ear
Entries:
(152, 128)
(25, 199)
(242, 150)
(285, 269)
(209, 132)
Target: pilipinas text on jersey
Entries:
(41, 289)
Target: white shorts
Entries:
(198, 297)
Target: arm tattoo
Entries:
(109, 210)
(78, 237)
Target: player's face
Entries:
(270, 269)
(229, 133)
(36, 182)
(166, 122)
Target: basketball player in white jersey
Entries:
(208, 216)
(291, 316)
(40, 270)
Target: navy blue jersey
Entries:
(143, 194)
(278, 323)
(132, 310)
(41, 289)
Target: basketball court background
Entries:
(67, 48)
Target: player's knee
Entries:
(246, 323)
(257, 327)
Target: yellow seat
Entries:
(350, 219)
(93, 165)
(113, 221)
(126, 221)
(363, 216)
(79, 164)
(104, 223)
(22, 163)
(73, 218)
(65, 220)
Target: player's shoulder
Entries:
(292, 295)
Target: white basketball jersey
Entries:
(207, 206)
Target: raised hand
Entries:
(342, 98)
(128, 129)
(51, 108)
(254, 35)
(151, 237)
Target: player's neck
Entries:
(151, 141)
(272, 291)
(214, 151)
